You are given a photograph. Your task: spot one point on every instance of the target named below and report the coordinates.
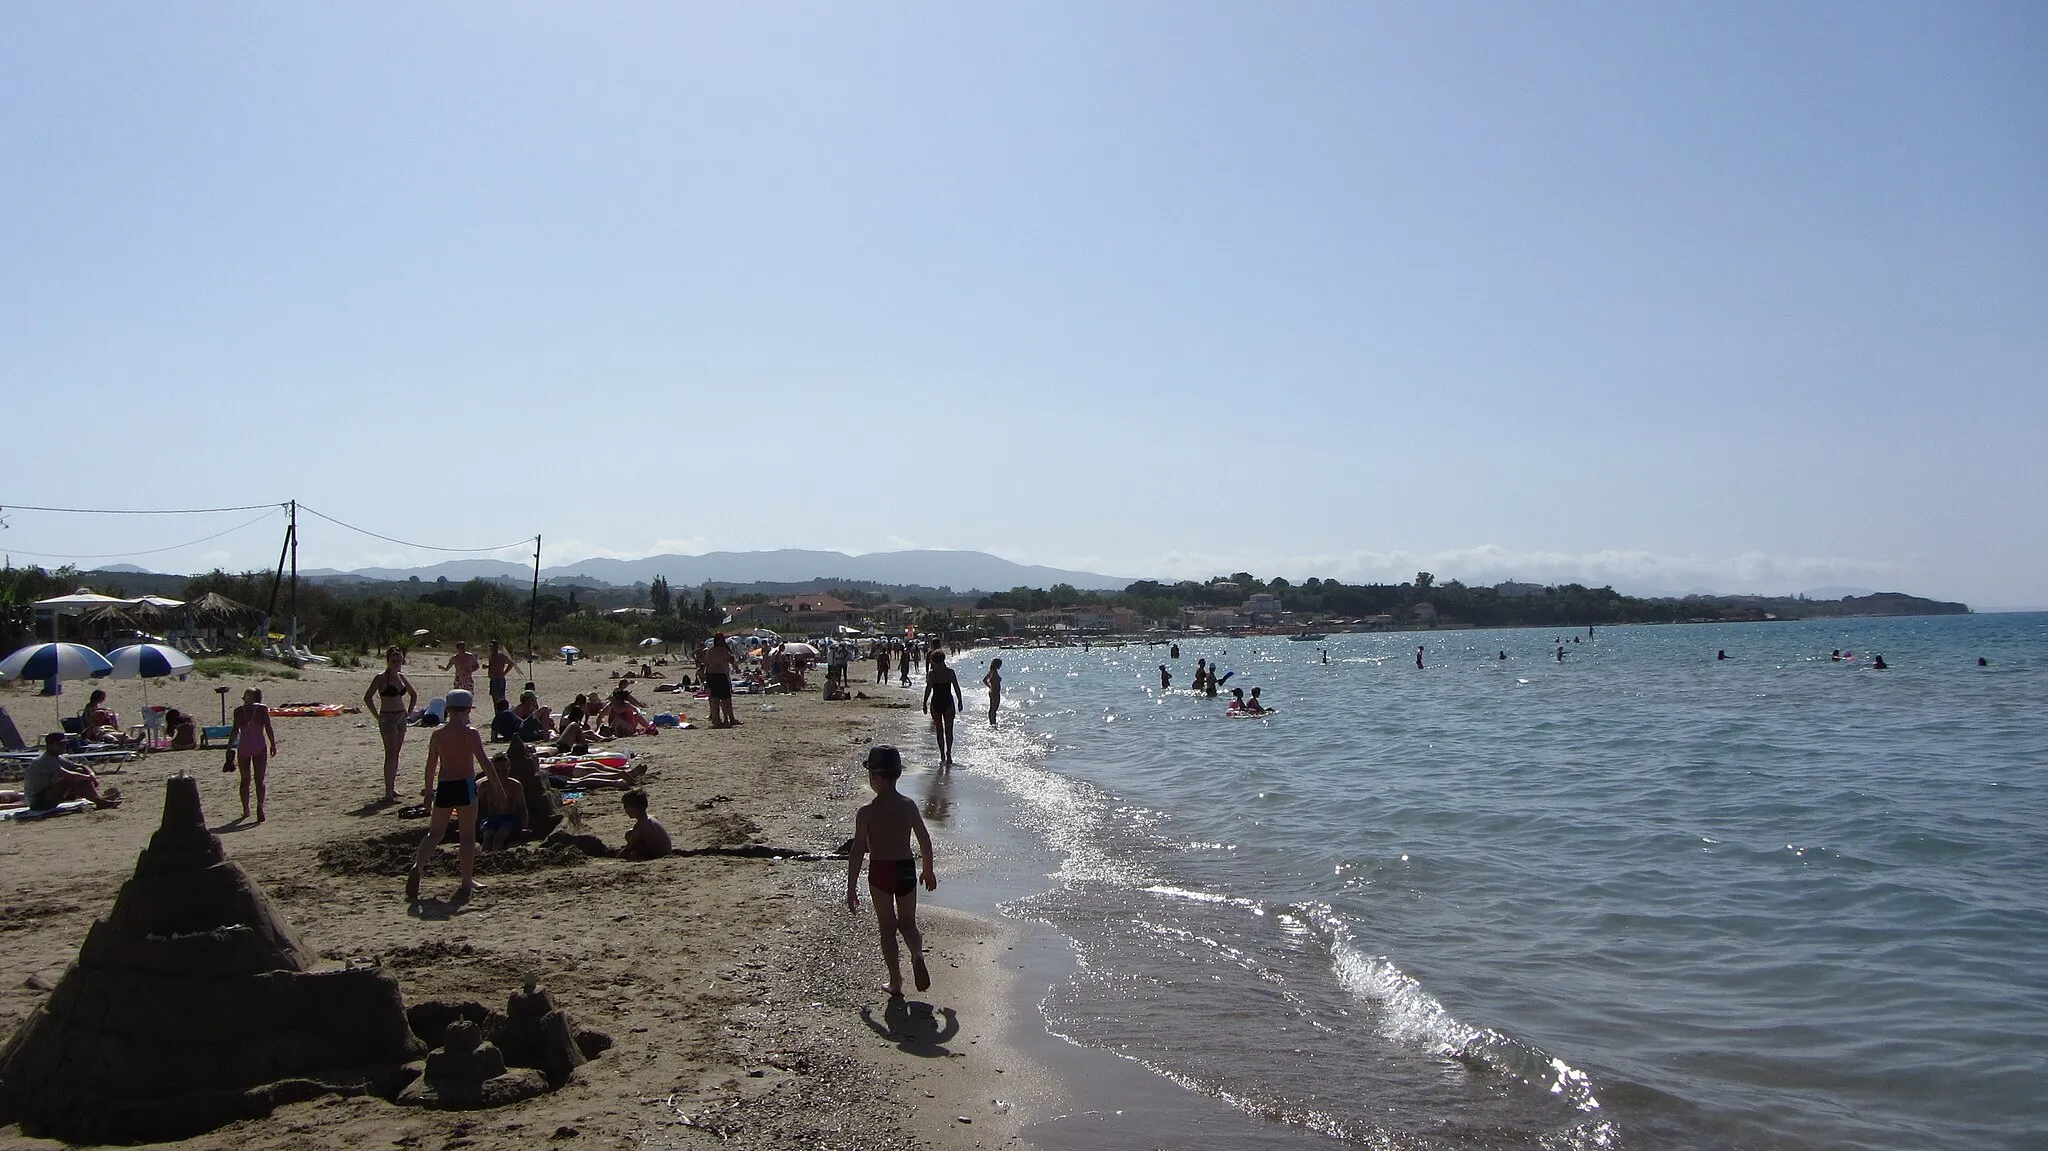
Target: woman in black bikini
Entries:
(392, 697)
(939, 680)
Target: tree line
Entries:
(1452, 601)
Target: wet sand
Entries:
(743, 997)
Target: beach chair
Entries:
(211, 732)
(10, 735)
(306, 655)
(15, 749)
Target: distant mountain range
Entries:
(959, 570)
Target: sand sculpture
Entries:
(190, 1007)
(465, 1073)
(483, 1059)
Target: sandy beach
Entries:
(744, 1001)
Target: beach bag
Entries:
(228, 764)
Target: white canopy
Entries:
(79, 601)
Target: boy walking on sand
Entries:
(882, 829)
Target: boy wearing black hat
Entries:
(882, 828)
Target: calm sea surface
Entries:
(1642, 898)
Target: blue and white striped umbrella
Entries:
(148, 661)
(55, 661)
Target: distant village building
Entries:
(1261, 608)
(797, 612)
(1425, 612)
(1513, 590)
(1214, 619)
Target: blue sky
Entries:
(1752, 298)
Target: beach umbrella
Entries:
(147, 661)
(76, 603)
(217, 608)
(421, 632)
(55, 661)
(799, 649)
(650, 641)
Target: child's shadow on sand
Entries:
(430, 908)
(914, 1027)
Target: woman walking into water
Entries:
(993, 681)
(251, 730)
(943, 700)
(392, 697)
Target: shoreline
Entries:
(1095, 1099)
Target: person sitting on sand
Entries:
(183, 730)
(882, 829)
(647, 838)
(535, 722)
(98, 723)
(505, 724)
(500, 806)
(623, 714)
(50, 779)
(455, 752)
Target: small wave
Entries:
(1413, 1017)
(1172, 892)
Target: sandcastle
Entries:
(190, 1007)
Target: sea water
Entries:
(1641, 897)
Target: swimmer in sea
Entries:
(1418, 657)
(883, 829)
(1165, 678)
(1878, 663)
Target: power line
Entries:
(270, 510)
(407, 543)
(134, 511)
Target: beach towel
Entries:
(23, 814)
